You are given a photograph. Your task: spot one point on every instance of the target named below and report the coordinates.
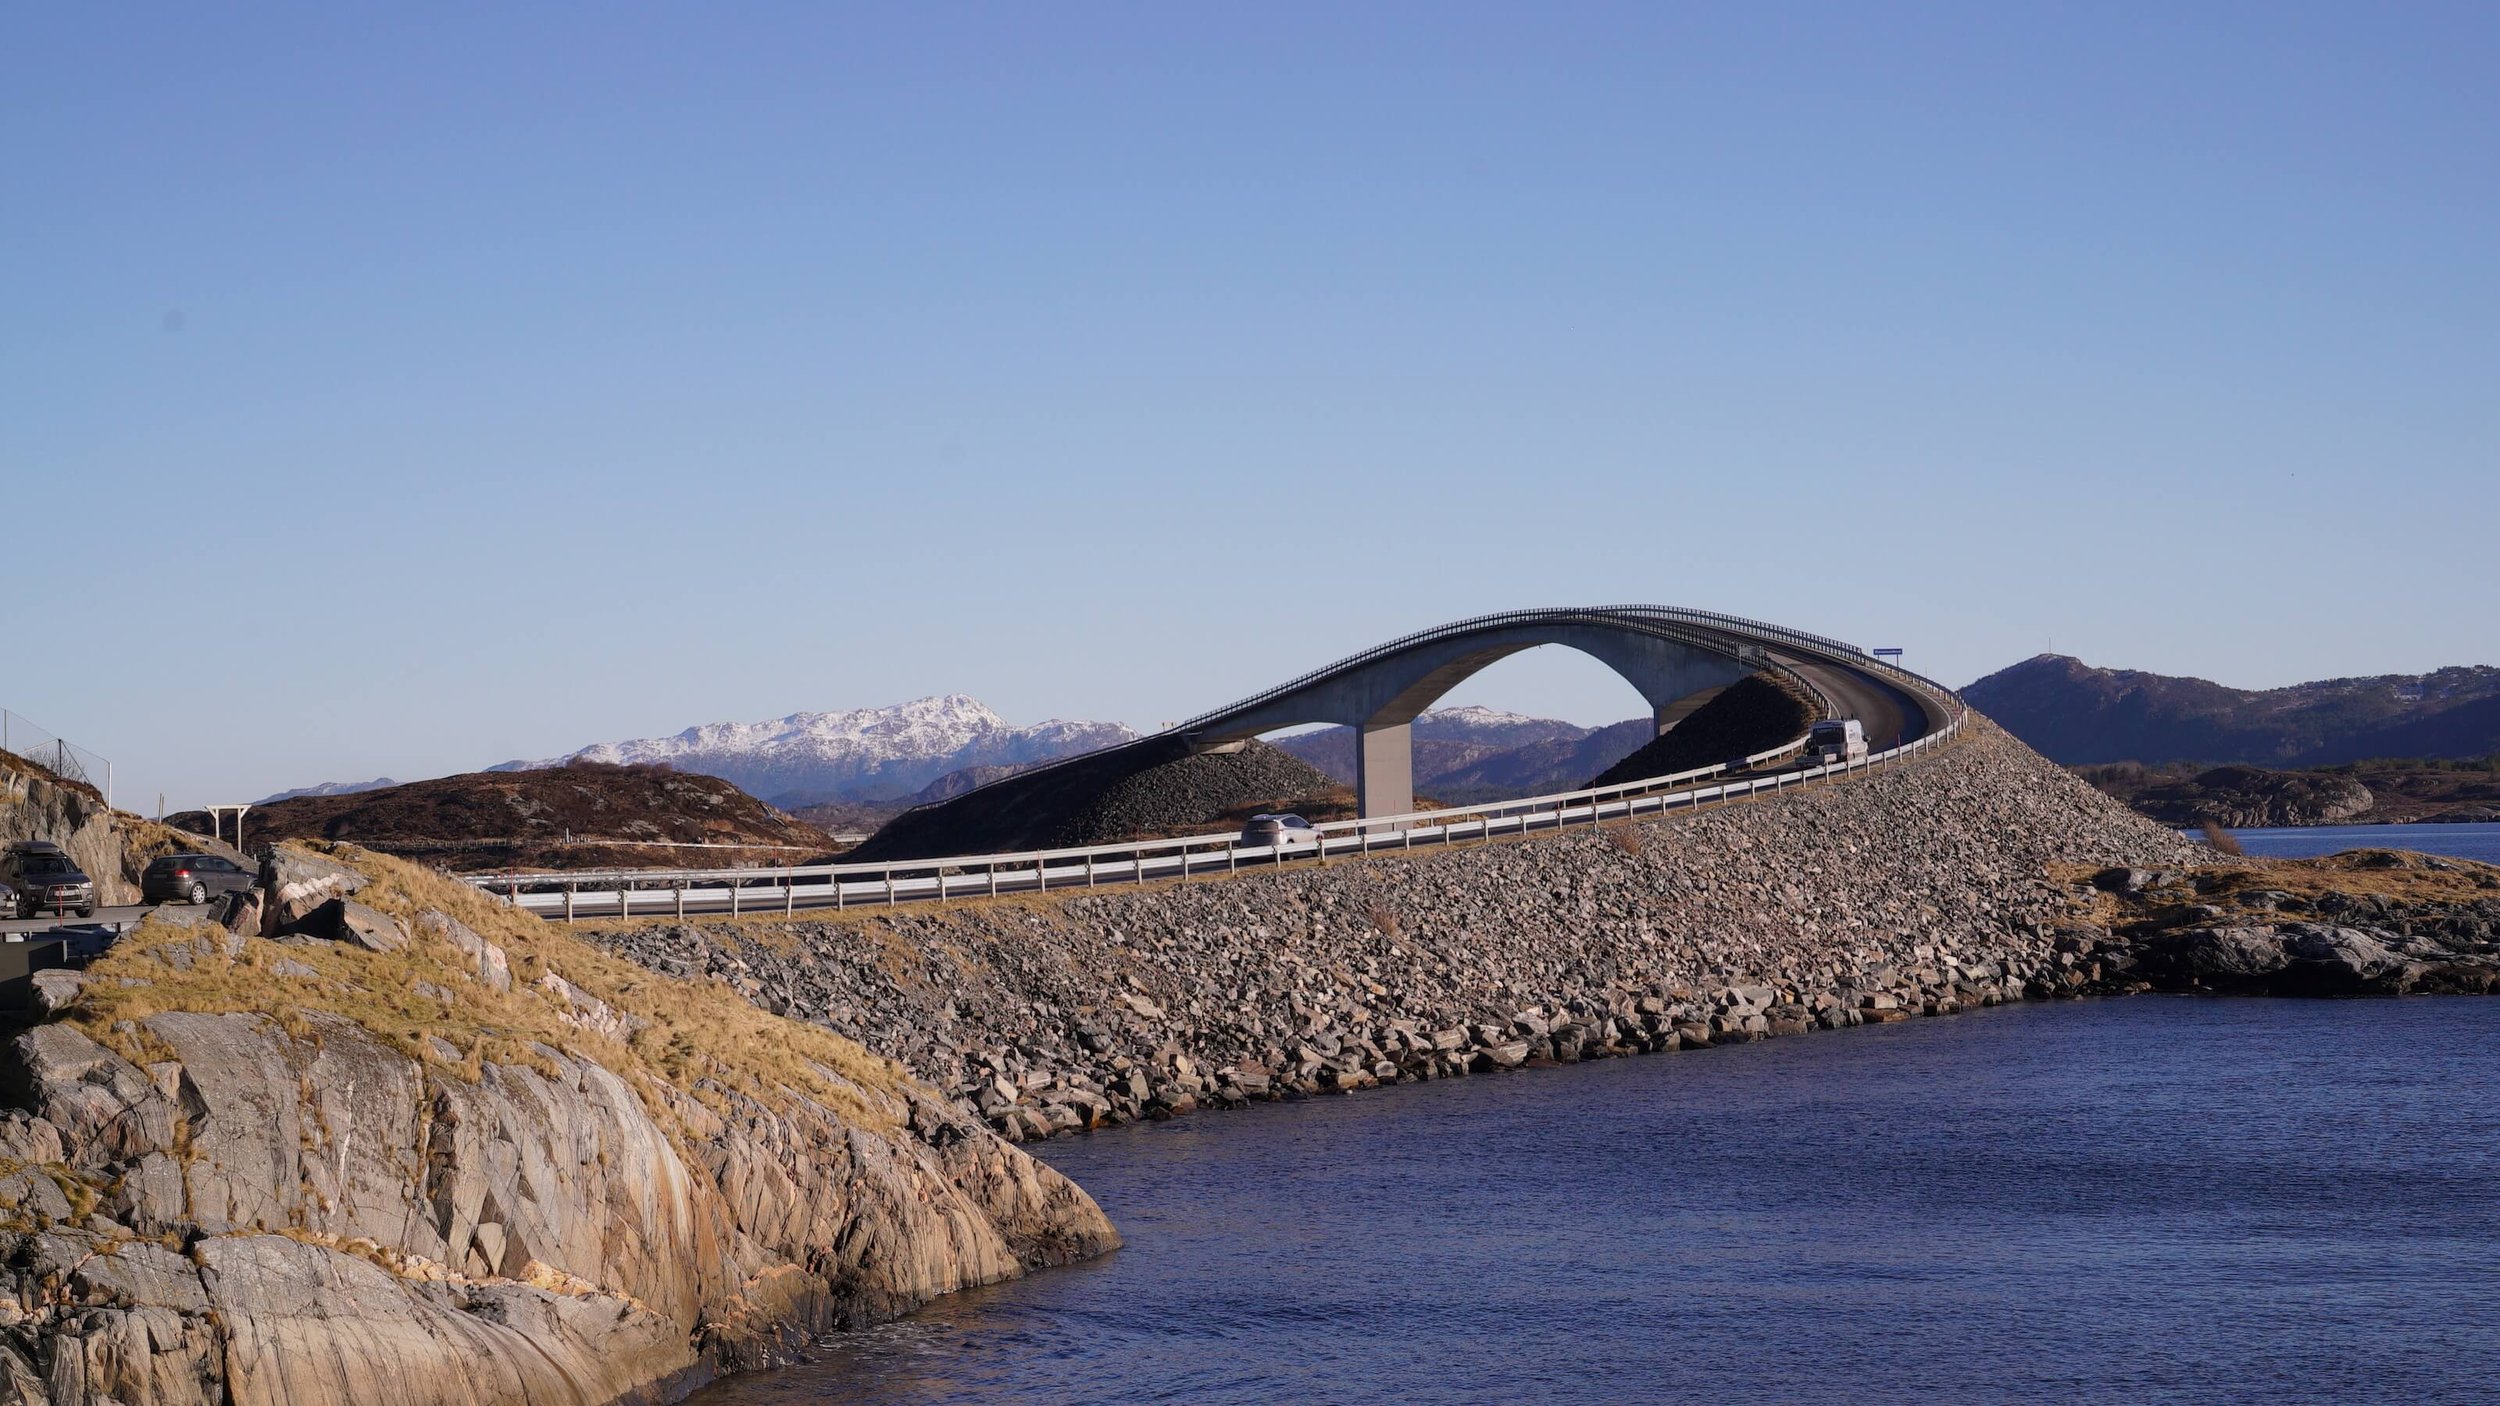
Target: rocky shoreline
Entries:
(366, 1136)
(1965, 880)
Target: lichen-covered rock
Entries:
(290, 1205)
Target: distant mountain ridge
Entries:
(2080, 715)
(329, 788)
(865, 754)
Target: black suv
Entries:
(191, 878)
(44, 878)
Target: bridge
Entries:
(1677, 659)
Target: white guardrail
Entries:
(689, 892)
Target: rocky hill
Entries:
(866, 754)
(2241, 797)
(2077, 714)
(581, 815)
(2376, 792)
(374, 1138)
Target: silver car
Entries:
(1286, 834)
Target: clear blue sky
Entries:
(402, 394)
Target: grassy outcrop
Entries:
(387, 1141)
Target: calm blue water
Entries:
(2161, 1199)
(2460, 841)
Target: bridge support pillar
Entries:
(1384, 769)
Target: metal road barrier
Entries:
(734, 892)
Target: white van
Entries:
(1831, 743)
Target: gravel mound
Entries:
(1193, 794)
(1918, 889)
(1754, 714)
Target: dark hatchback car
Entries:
(46, 879)
(191, 878)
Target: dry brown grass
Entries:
(699, 1037)
(2221, 840)
(2382, 873)
(1624, 836)
(1382, 917)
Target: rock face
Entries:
(288, 1204)
(39, 807)
(2244, 797)
(1912, 891)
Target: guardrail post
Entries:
(789, 891)
(733, 898)
(1041, 874)
(568, 903)
(837, 893)
(1089, 869)
(889, 888)
(681, 903)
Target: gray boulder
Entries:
(295, 882)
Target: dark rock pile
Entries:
(1192, 795)
(1915, 891)
(1754, 714)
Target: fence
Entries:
(56, 754)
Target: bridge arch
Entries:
(1379, 693)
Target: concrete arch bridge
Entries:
(1677, 659)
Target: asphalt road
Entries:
(1890, 715)
(125, 913)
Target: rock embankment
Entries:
(1914, 891)
(373, 1138)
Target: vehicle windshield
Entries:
(49, 864)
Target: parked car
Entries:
(191, 878)
(1283, 833)
(46, 878)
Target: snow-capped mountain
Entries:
(866, 754)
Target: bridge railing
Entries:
(703, 892)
